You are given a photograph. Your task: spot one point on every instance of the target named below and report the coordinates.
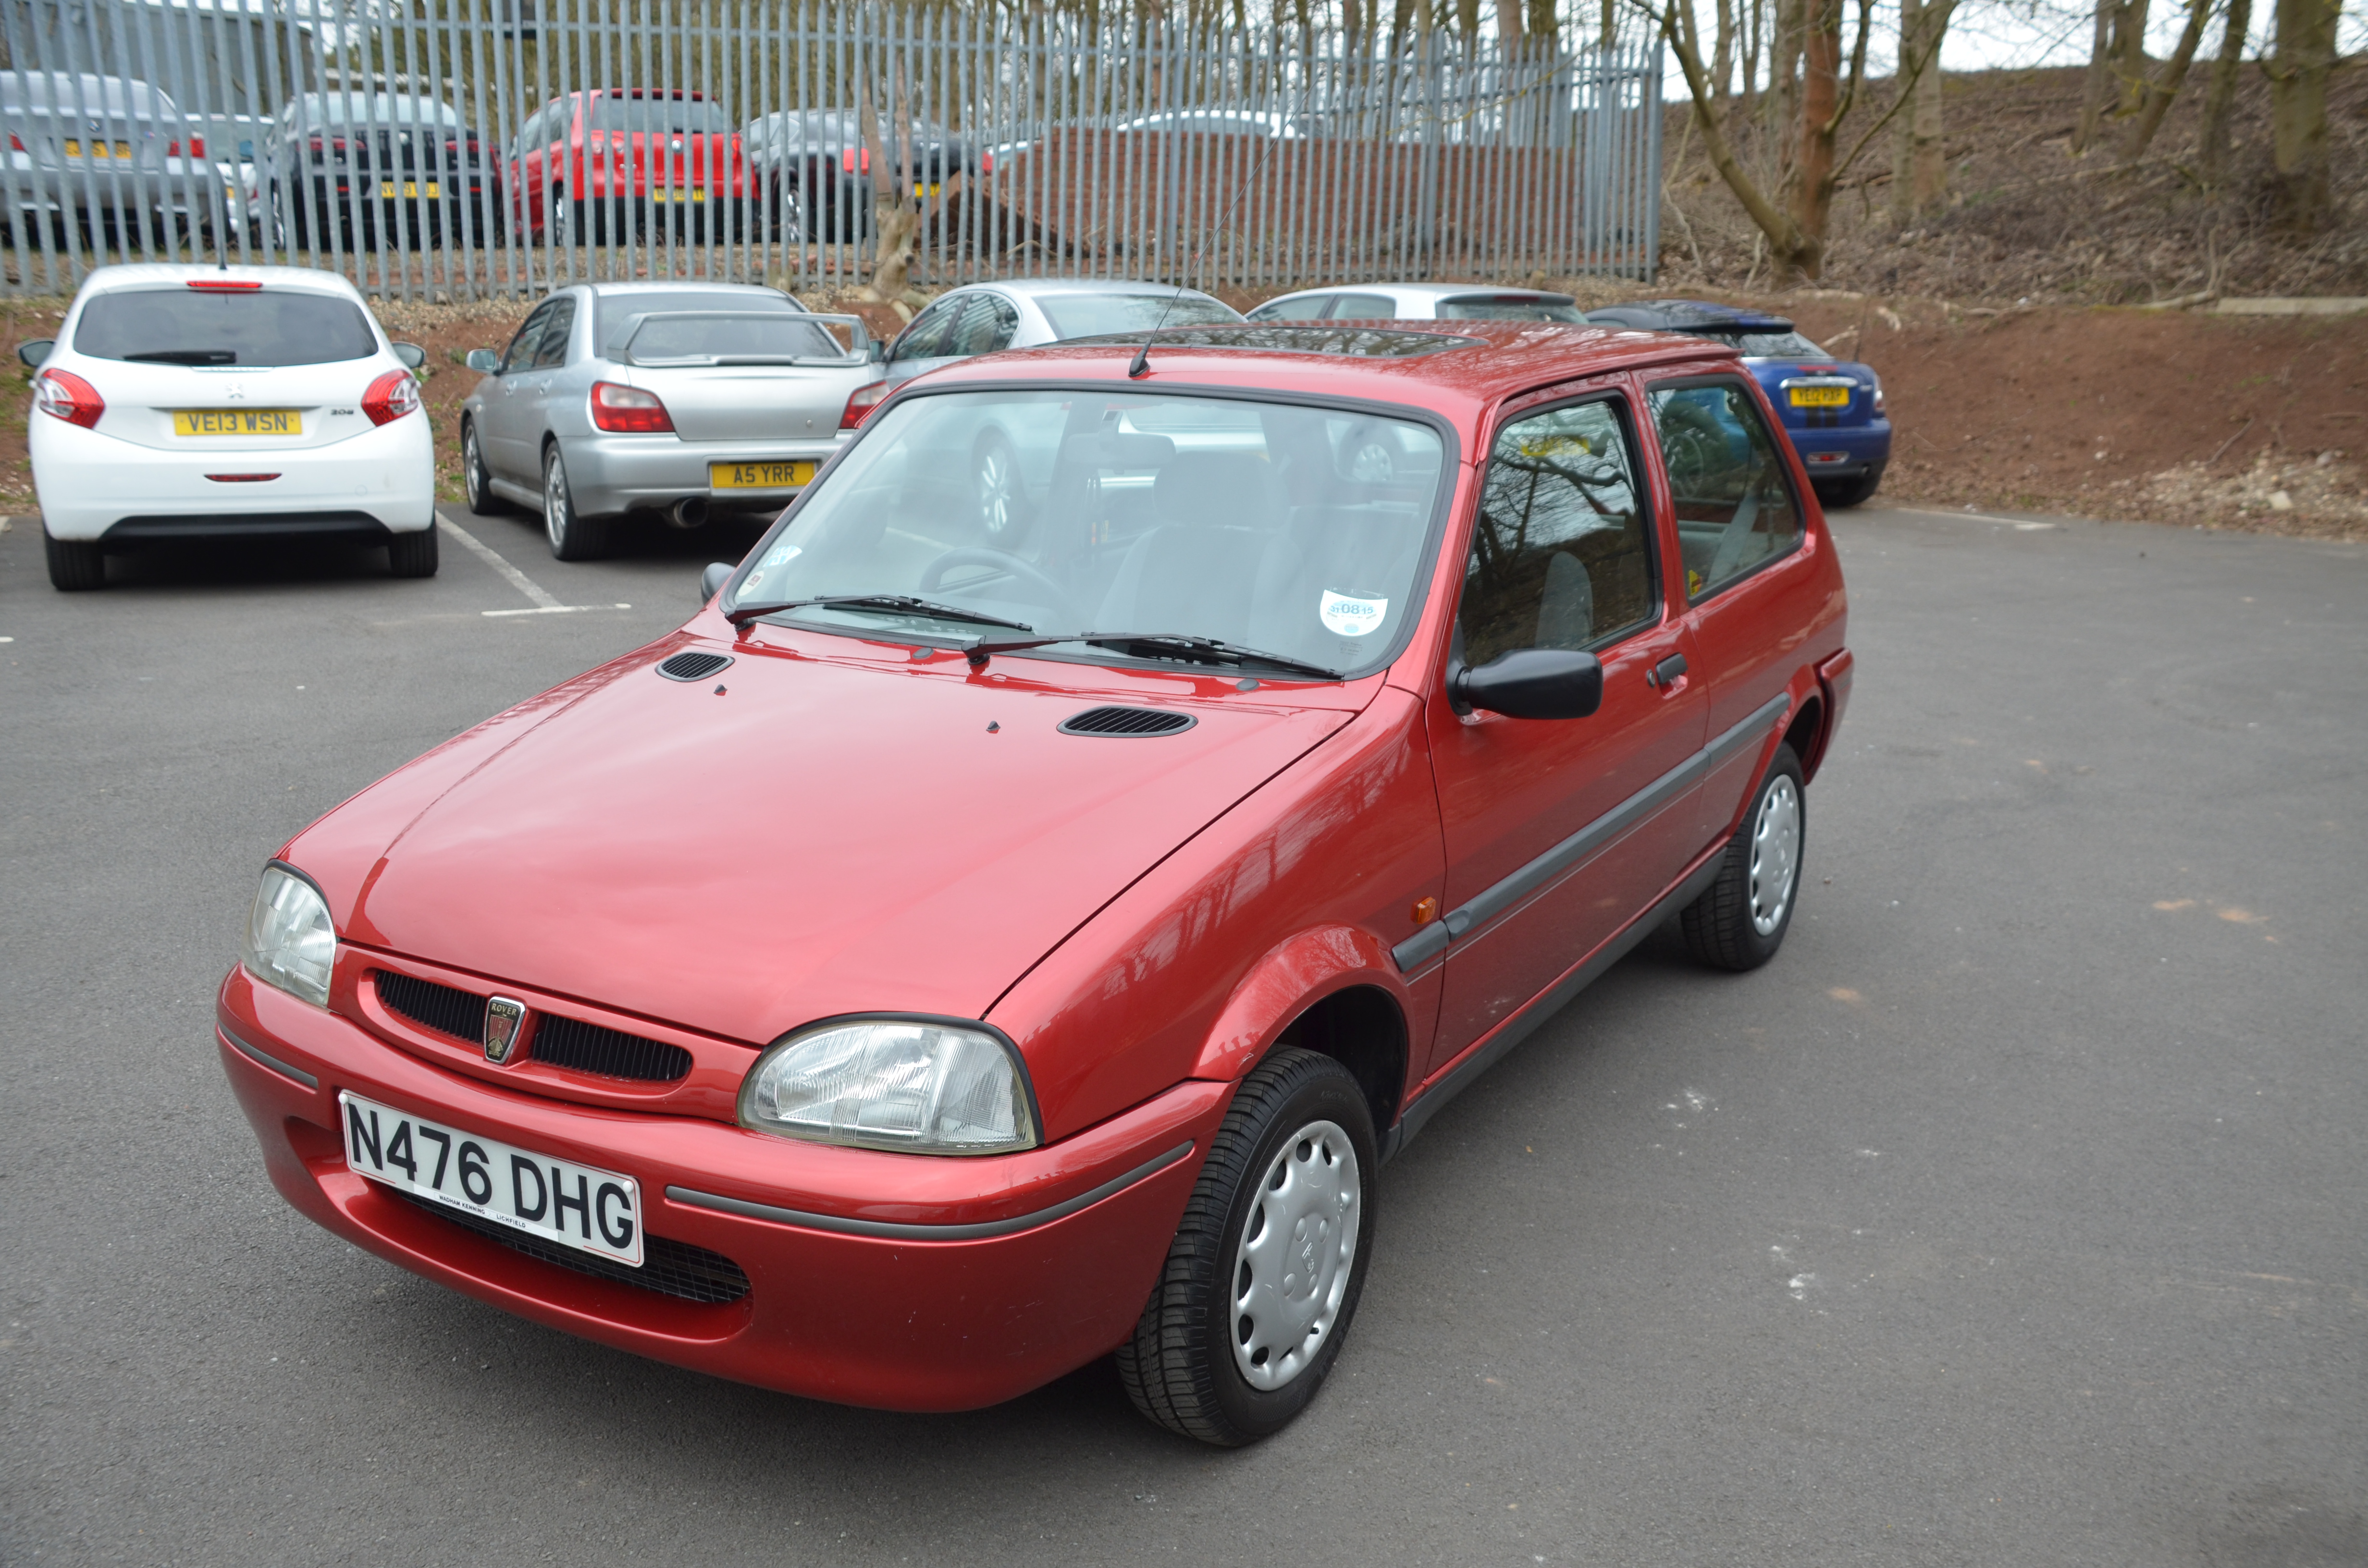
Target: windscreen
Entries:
(1773, 345)
(1484, 308)
(660, 115)
(372, 109)
(206, 327)
(1091, 315)
(1295, 531)
(618, 308)
(748, 334)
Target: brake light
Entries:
(15, 143)
(196, 148)
(326, 144)
(390, 397)
(855, 160)
(223, 285)
(861, 403)
(629, 410)
(61, 395)
(1878, 397)
(986, 163)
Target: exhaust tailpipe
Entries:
(688, 513)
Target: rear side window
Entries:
(1726, 474)
(1307, 307)
(1562, 555)
(1090, 315)
(205, 326)
(1364, 307)
(1481, 307)
(520, 355)
(552, 351)
(985, 325)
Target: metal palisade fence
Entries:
(457, 149)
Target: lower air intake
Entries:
(1127, 722)
(670, 1268)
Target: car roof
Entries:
(1052, 288)
(1484, 362)
(1430, 291)
(74, 91)
(1691, 315)
(684, 285)
(147, 274)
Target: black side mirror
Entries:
(32, 351)
(711, 581)
(1530, 683)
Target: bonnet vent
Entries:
(693, 666)
(1126, 722)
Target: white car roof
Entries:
(1050, 288)
(147, 274)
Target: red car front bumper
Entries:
(852, 1295)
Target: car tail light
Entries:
(1878, 397)
(224, 285)
(61, 395)
(196, 148)
(629, 410)
(16, 143)
(325, 145)
(855, 160)
(861, 403)
(390, 397)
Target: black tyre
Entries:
(475, 478)
(1841, 493)
(76, 565)
(1264, 1276)
(572, 538)
(413, 555)
(1741, 921)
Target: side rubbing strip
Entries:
(696, 1199)
(267, 1059)
(1427, 943)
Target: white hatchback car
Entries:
(242, 402)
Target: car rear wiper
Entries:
(740, 615)
(980, 650)
(186, 356)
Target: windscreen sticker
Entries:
(754, 578)
(1350, 615)
(783, 556)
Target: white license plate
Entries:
(577, 1206)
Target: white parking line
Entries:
(511, 574)
(553, 609)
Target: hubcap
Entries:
(1291, 1272)
(554, 501)
(997, 482)
(1775, 853)
(470, 473)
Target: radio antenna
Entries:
(1141, 367)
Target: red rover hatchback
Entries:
(1111, 811)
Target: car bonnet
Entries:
(790, 839)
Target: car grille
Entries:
(563, 1042)
(670, 1268)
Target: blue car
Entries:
(1832, 408)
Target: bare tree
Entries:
(2298, 67)
(1919, 169)
(2220, 97)
(2117, 62)
(2157, 91)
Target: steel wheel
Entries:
(1292, 1269)
(1775, 853)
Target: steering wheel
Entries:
(1048, 592)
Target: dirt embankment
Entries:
(2165, 416)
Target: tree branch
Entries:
(1780, 230)
(1899, 99)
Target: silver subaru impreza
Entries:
(675, 399)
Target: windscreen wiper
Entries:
(741, 614)
(186, 357)
(1185, 644)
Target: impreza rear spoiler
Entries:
(858, 350)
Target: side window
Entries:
(1726, 474)
(552, 350)
(925, 338)
(1364, 307)
(980, 328)
(1562, 556)
(520, 353)
(1007, 324)
(530, 135)
(1307, 307)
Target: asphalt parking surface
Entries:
(2014, 1214)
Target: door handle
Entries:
(1668, 670)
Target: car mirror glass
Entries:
(1530, 683)
(33, 351)
(484, 361)
(711, 581)
(411, 353)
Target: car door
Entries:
(925, 344)
(504, 436)
(1560, 832)
(1748, 586)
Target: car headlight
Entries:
(290, 942)
(917, 1085)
